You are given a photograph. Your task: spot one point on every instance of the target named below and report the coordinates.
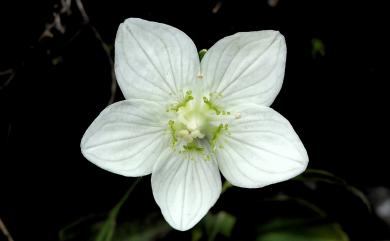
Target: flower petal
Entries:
(126, 138)
(261, 148)
(246, 67)
(185, 188)
(154, 61)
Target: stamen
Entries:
(217, 133)
(197, 134)
(183, 133)
(171, 125)
(187, 98)
(211, 105)
(195, 119)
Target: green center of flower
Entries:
(197, 124)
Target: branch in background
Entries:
(57, 24)
(9, 75)
(80, 7)
(5, 232)
(107, 50)
(105, 47)
(217, 7)
(66, 4)
(273, 3)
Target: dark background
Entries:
(337, 102)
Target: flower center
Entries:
(197, 124)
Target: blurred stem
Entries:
(108, 228)
(4, 230)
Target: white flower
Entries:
(184, 120)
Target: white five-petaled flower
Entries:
(184, 120)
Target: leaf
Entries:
(300, 201)
(301, 229)
(95, 227)
(149, 229)
(80, 229)
(196, 234)
(220, 223)
(108, 228)
(313, 176)
(311, 225)
(317, 48)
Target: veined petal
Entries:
(246, 67)
(127, 138)
(154, 61)
(261, 149)
(185, 189)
